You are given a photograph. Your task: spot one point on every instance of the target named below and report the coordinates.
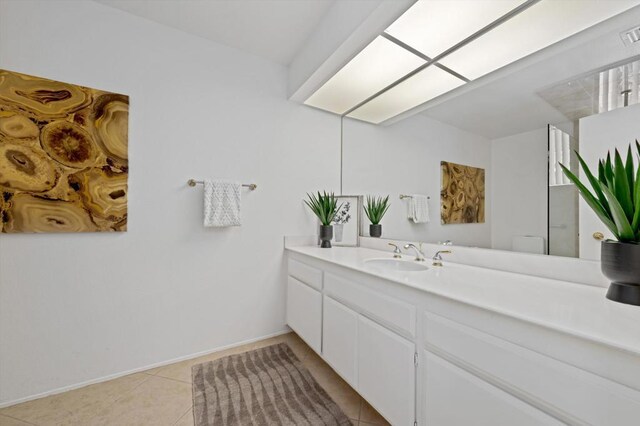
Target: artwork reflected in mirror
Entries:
(517, 126)
(63, 156)
(462, 195)
(346, 223)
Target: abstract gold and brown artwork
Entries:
(63, 156)
(461, 194)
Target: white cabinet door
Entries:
(304, 312)
(340, 339)
(455, 397)
(386, 372)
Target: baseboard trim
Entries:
(139, 369)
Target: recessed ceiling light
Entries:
(378, 65)
(537, 27)
(425, 85)
(433, 26)
(470, 38)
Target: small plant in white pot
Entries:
(616, 201)
(375, 210)
(325, 207)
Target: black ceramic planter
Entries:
(326, 234)
(621, 264)
(375, 230)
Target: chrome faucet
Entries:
(419, 254)
(437, 259)
(397, 253)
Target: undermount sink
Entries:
(396, 265)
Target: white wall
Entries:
(78, 307)
(519, 187)
(404, 158)
(598, 134)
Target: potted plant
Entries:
(375, 209)
(616, 201)
(341, 218)
(325, 207)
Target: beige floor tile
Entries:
(298, 346)
(295, 343)
(153, 371)
(162, 395)
(369, 415)
(178, 371)
(186, 420)
(346, 398)
(339, 390)
(8, 421)
(157, 401)
(182, 370)
(313, 360)
(76, 406)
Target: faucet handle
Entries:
(397, 253)
(437, 259)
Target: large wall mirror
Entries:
(515, 124)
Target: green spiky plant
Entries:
(323, 205)
(376, 208)
(616, 194)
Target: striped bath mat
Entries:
(267, 386)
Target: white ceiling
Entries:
(492, 106)
(273, 29)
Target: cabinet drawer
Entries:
(454, 397)
(304, 312)
(569, 393)
(305, 273)
(392, 312)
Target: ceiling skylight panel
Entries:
(537, 27)
(433, 26)
(422, 87)
(377, 66)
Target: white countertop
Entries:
(576, 309)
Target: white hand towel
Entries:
(222, 203)
(418, 209)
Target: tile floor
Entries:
(162, 396)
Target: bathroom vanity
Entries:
(463, 345)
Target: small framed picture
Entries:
(346, 224)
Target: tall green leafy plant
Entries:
(323, 205)
(616, 193)
(376, 208)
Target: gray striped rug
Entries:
(267, 386)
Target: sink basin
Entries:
(396, 265)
